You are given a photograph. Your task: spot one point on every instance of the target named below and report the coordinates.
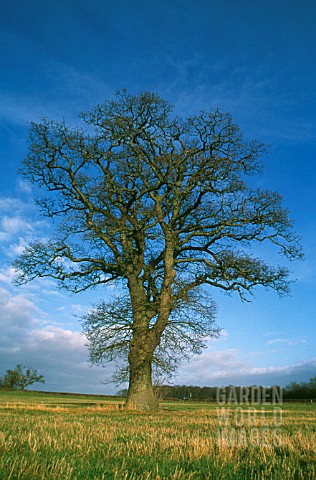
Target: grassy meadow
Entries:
(45, 436)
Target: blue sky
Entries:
(255, 60)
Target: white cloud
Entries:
(18, 248)
(223, 336)
(73, 308)
(210, 366)
(19, 226)
(41, 340)
(9, 226)
(53, 338)
(231, 367)
(23, 186)
(286, 341)
(18, 311)
(31, 337)
(7, 275)
(11, 204)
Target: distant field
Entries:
(63, 437)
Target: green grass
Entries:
(44, 436)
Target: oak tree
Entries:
(161, 205)
(109, 330)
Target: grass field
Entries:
(45, 436)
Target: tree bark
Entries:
(141, 394)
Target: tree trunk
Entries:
(141, 395)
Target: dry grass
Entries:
(82, 440)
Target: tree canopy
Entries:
(20, 377)
(161, 206)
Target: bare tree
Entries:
(159, 205)
(109, 330)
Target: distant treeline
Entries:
(303, 390)
(231, 394)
